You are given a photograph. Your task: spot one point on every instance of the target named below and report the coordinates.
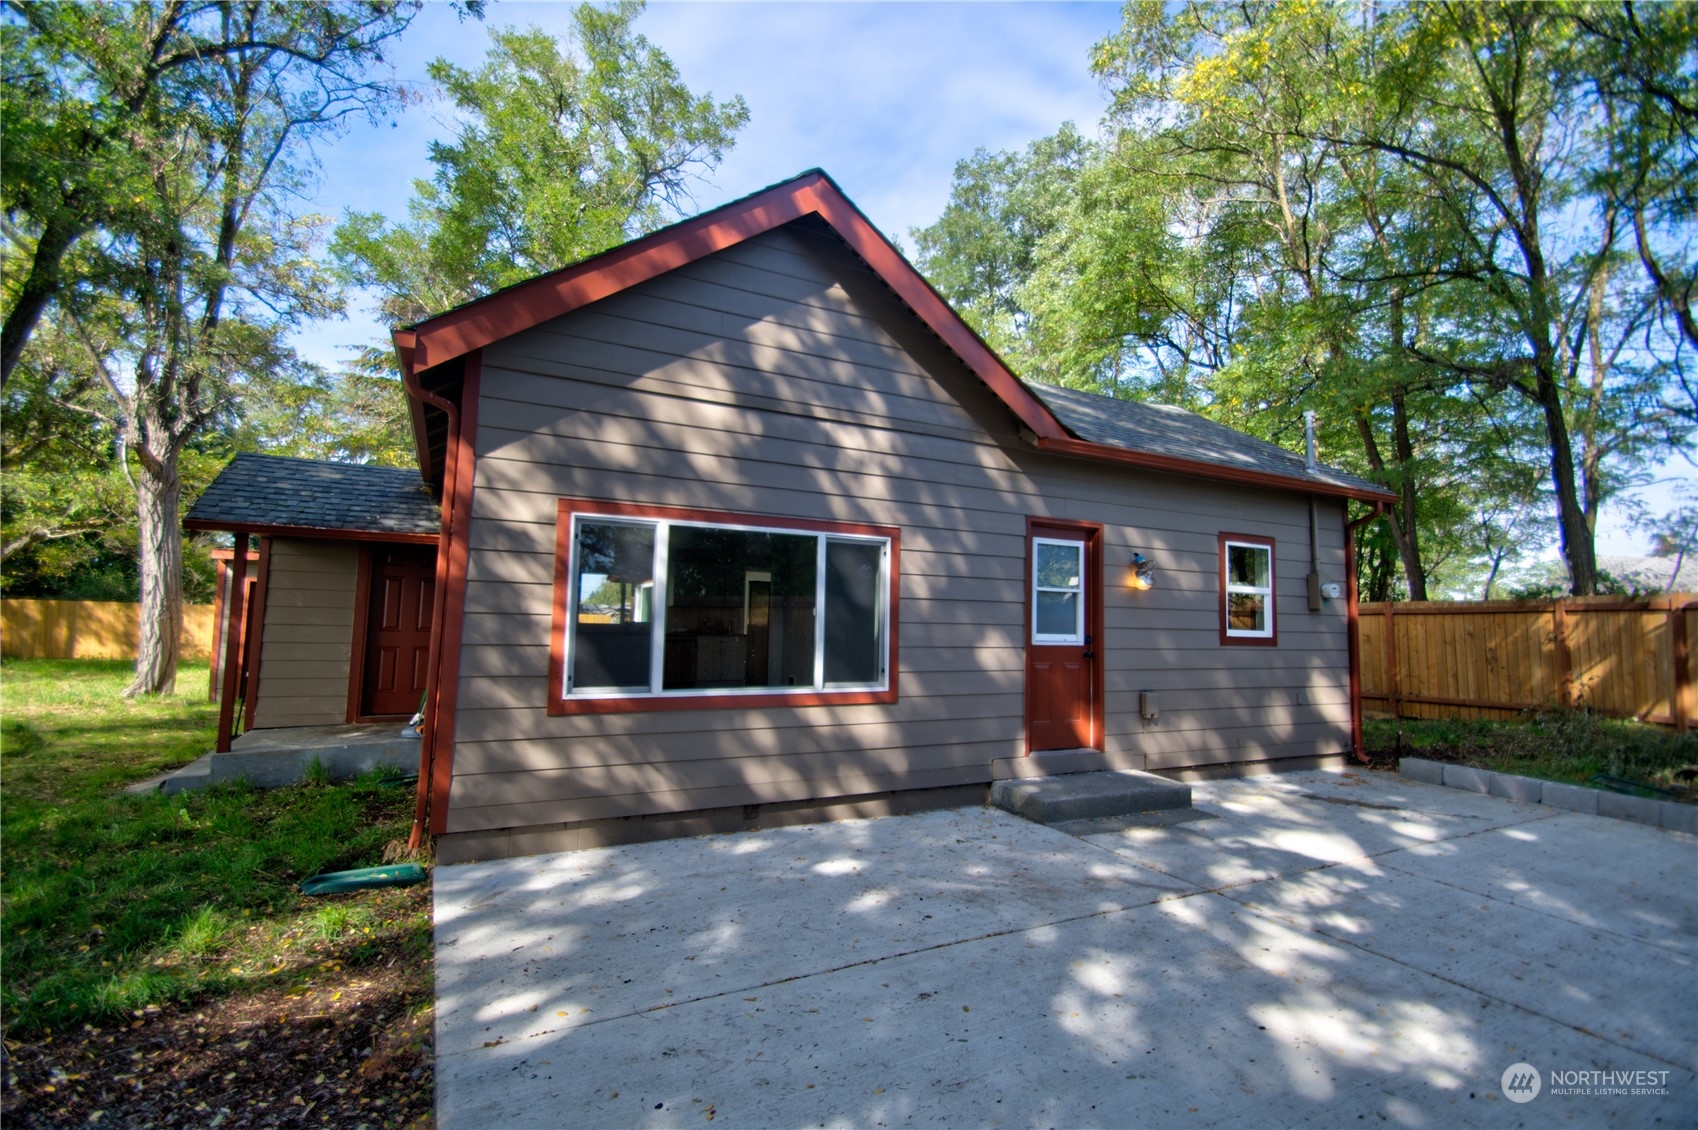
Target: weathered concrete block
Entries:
(1088, 796)
(1575, 798)
(1420, 769)
(1634, 808)
(1462, 777)
(1507, 785)
(1679, 817)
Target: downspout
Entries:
(1352, 632)
(433, 665)
(1313, 581)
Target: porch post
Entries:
(232, 642)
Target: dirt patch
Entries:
(351, 1049)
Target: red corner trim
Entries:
(518, 308)
(463, 463)
(256, 648)
(1084, 449)
(232, 643)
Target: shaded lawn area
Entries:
(1568, 746)
(160, 965)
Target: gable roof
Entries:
(271, 494)
(454, 334)
(1173, 433)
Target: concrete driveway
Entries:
(1336, 949)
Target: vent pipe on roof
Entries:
(1309, 440)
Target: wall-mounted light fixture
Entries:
(1141, 575)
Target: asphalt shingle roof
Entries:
(1161, 429)
(271, 490)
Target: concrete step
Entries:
(1088, 796)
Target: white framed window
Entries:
(1058, 591)
(778, 611)
(1247, 589)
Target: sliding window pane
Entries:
(851, 612)
(615, 586)
(740, 609)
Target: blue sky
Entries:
(886, 97)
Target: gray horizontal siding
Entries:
(778, 378)
(309, 631)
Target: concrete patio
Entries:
(1310, 949)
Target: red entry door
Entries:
(1061, 651)
(403, 587)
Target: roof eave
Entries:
(455, 333)
(1172, 464)
(329, 533)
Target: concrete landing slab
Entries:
(1088, 796)
(284, 756)
(197, 774)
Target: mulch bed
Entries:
(352, 1050)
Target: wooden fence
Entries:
(1626, 658)
(90, 629)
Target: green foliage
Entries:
(114, 902)
(1419, 221)
(1568, 746)
(155, 155)
(562, 151)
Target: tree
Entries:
(1419, 221)
(1490, 108)
(153, 155)
(984, 249)
(560, 151)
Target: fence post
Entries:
(1565, 661)
(1394, 684)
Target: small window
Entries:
(659, 608)
(1247, 589)
(1058, 606)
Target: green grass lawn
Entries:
(1557, 746)
(113, 902)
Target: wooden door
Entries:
(403, 589)
(1063, 624)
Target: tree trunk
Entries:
(39, 286)
(1578, 549)
(159, 494)
(1400, 519)
(1414, 573)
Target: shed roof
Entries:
(1163, 430)
(271, 494)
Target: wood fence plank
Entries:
(89, 629)
(1460, 660)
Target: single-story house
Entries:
(740, 523)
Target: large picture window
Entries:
(1247, 589)
(661, 608)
